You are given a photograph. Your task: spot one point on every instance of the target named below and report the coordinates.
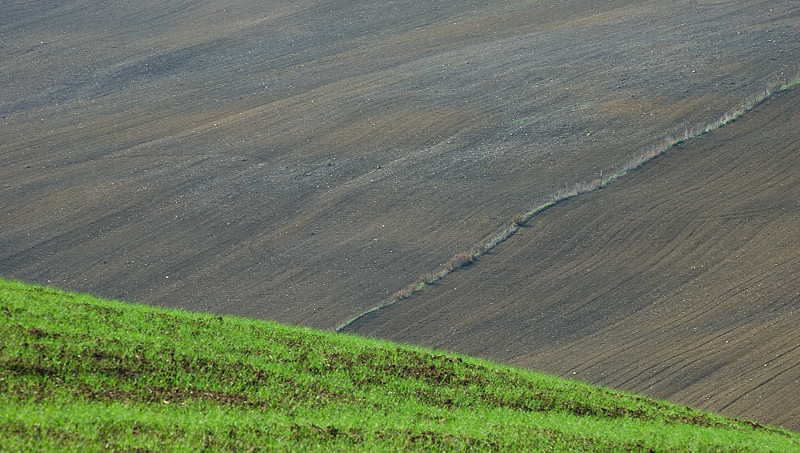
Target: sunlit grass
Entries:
(83, 374)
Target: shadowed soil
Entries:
(300, 161)
(681, 280)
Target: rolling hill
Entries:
(302, 160)
(680, 280)
(79, 373)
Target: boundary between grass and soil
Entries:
(463, 259)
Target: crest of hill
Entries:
(83, 373)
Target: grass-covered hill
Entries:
(80, 373)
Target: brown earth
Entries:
(680, 280)
(302, 160)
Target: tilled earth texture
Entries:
(302, 160)
(680, 280)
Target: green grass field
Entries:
(79, 373)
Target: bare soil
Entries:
(302, 160)
(680, 281)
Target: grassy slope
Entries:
(77, 372)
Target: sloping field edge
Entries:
(80, 373)
(463, 259)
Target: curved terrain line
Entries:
(464, 259)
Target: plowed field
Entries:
(302, 160)
(681, 280)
